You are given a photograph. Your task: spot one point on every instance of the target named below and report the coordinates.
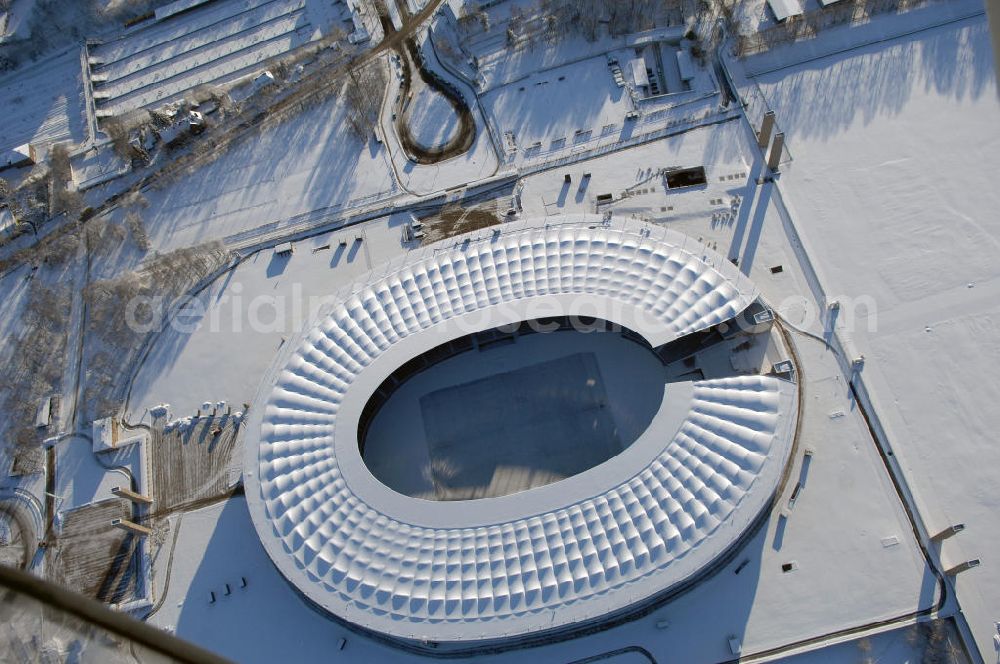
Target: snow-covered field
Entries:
(893, 187)
(434, 120)
(478, 163)
(578, 108)
(402, 456)
(307, 164)
(43, 103)
(248, 314)
(570, 104)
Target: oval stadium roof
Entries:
(562, 556)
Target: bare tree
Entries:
(118, 131)
(6, 191)
(363, 95)
(448, 49)
(63, 199)
(137, 230)
(103, 237)
(59, 163)
(56, 24)
(589, 18)
(469, 21)
(68, 202)
(34, 365)
(111, 340)
(515, 27)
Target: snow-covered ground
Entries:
(570, 109)
(709, 207)
(759, 605)
(307, 164)
(480, 162)
(43, 103)
(266, 620)
(554, 100)
(434, 120)
(875, 579)
(893, 188)
(16, 286)
(564, 104)
(501, 65)
(923, 642)
(248, 315)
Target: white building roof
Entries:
(550, 558)
(685, 64)
(102, 434)
(106, 435)
(16, 156)
(6, 220)
(94, 167)
(639, 75)
(784, 9)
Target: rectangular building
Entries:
(22, 155)
(639, 75)
(784, 9)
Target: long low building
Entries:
(566, 556)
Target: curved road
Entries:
(463, 140)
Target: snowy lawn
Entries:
(893, 185)
(44, 103)
(561, 104)
(306, 163)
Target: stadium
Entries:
(417, 490)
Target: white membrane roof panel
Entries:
(566, 554)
